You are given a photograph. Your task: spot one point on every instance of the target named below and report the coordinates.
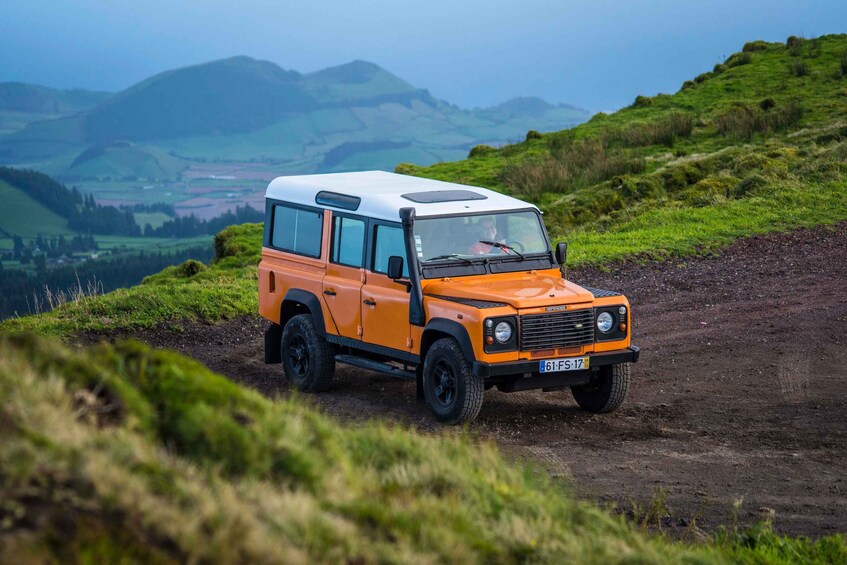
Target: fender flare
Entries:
(297, 297)
(295, 302)
(453, 329)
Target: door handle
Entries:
(329, 292)
(369, 302)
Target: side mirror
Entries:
(561, 253)
(395, 267)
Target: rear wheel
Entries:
(451, 390)
(307, 358)
(606, 392)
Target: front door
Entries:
(385, 303)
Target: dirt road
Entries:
(738, 405)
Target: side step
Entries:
(375, 366)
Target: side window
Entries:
(297, 231)
(387, 242)
(348, 241)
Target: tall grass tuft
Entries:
(843, 64)
(664, 131)
(798, 67)
(744, 121)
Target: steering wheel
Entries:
(515, 244)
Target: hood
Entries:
(519, 290)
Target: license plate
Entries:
(568, 364)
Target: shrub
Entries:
(795, 45)
(479, 150)
(798, 68)
(687, 84)
(843, 64)
(752, 46)
(702, 77)
(783, 117)
(738, 59)
(767, 104)
(532, 134)
(642, 102)
(719, 68)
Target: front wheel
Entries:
(606, 392)
(451, 390)
(307, 358)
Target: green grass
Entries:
(155, 458)
(21, 215)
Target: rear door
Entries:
(345, 273)
(385, 303)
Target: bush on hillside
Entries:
(687, 84)
(703, 77)
(709, 191)
(719, 68)
(843, 64)
(752, 46)
(642, 102)
(738, 59)
(479, 150)
(767, 104)
(795, 45)
(532, 134)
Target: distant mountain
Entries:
(34, 99)
(352, 116)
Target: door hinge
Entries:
(359, 330)
(409, 342)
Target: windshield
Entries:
(487, 236)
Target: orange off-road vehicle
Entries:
(453, 286)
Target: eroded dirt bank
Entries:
(740, 394)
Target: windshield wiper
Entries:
(503, 246)
(449, 256)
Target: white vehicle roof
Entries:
(383, 194)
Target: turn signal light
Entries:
(622, 327)
(489, 340)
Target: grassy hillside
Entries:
(22, 215)
(757, 144)
(122, 453)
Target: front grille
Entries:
(557, 329)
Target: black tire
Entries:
(308, 360)
(451, 390)
(606, 392)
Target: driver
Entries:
(488, 232)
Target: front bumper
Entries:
(488, 370)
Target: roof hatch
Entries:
(435, 196)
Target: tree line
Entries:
(22, 293)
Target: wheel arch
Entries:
(438, 328)
(296, 301)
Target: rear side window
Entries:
(348, 241)
(297, 231)
(388, 242)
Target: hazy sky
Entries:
(595, 54)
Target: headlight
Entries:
(604, 322)
(503, 332)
